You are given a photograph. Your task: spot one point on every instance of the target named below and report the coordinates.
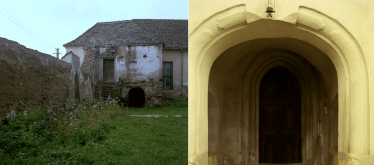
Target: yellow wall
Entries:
(340, 29)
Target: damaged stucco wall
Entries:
(88, 71)
(77, 50)
(74, 60)
(30, 78)
(135, 66)
(176, 56)
(132, 63)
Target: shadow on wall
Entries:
(76, 83)
(136, 97)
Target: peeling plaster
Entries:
(135, 67)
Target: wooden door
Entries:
(280, 118)
(108, 70)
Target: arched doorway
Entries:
(236, 106)
(280, 117)
(226, 43)
(136, 97)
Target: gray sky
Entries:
(44, 25)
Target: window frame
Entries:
(163, 75)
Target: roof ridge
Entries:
(114, 22)
(163, 19)
(109, 22)
(173, 33)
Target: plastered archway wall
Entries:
(238, 24)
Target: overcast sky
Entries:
(45, 25)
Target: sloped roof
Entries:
(68, 54)
(173, 33)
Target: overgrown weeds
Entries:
(97, 133)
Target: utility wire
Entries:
(17, 29)
(28, 26)
(25, 29)
(21, 27)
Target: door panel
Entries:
(280, 118)
(108, 70)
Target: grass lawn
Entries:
(158, 111)
(96, 135)
(168, 107)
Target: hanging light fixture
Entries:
(269, 9)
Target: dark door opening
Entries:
(280, 117)
(136, 97)
(108, 70)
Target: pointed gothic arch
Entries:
(236, 25)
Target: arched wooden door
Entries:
(280, 118)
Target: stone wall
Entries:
(30, 78)
(90, 74)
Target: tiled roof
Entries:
(173, 33)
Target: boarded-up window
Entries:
(168, 76)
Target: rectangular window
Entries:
(168, 76)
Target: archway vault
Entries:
(312, 103)
(237, 24)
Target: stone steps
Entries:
(106, 89)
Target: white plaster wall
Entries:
(74, 61)
(77, 50)
(67, 58)
(132, 63)
(119, 63)
(146, 67)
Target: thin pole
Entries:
(57, 52)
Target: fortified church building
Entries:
(142, 59)
(281, 82)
